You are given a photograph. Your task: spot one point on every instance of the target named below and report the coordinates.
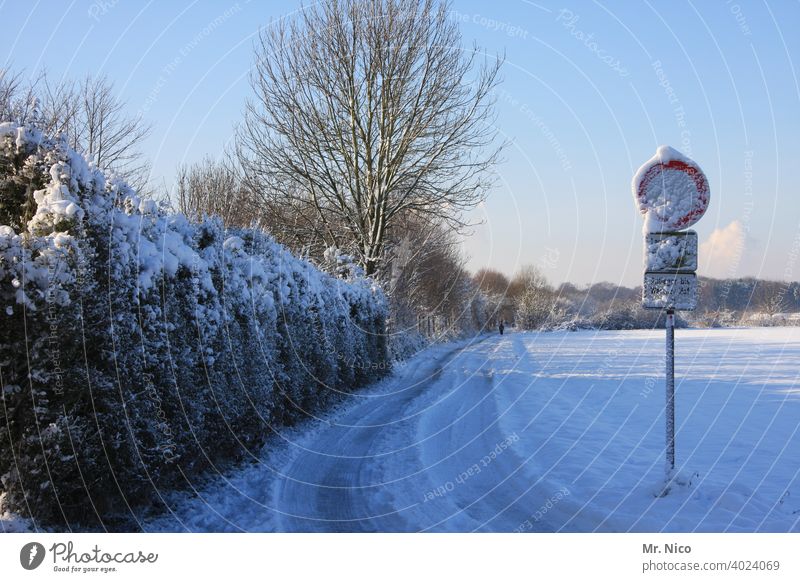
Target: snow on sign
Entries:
(671, 190)
(674, 252)
(671, 291)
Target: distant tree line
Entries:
(530, 302)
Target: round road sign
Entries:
(671, 190)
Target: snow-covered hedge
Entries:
(138, 349)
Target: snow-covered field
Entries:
(539, 432)
(535, 432)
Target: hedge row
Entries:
(139, 350)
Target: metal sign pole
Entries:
(670, 411)
(670, 252)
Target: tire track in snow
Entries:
(423, 459)
(335, 484)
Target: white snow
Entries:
(600, 429)
(670, 195)
(664, 252)
(664, 154)
(245, 320)
(12, 523)
(8, 128)
(559, 431)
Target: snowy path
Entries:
(538, 432)
(387, 465)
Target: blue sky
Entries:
(590, 89)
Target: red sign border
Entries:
(700, 181)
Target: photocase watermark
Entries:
(65, 558)
(358, 364)
(747, 213)
(168, 446)
(169, 69)
(740, 18)
(353, 362)
(472, 470)
(677, 107)
(794, 253)
(539, 123)
(569, 21)
(101, 8)
(53, 300)
(31, 555)
(537, 515)
(778, 300)
(549, 260)
(612, 356)
(507, 28)
(649, 385)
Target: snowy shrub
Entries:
(623, 315)
(138, 349)
(716, 318)
(576, 323)
(540, 309)
(406, 343)
(618, 315)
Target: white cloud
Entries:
(726, 252)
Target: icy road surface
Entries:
(537, 432)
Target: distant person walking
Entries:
(502, 326)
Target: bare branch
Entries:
(364, 112)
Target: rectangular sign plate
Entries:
(677, 291)
(670, 252)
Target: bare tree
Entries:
(496, 287)
(106, 134)
(213, 188)
(365, 110)
(87, 113)
(56, 107)
(425, 266)
(770, 298)
(16, 98)
(534, 297)
(492, 282)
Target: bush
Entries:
(618, 315)
(138, 349)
